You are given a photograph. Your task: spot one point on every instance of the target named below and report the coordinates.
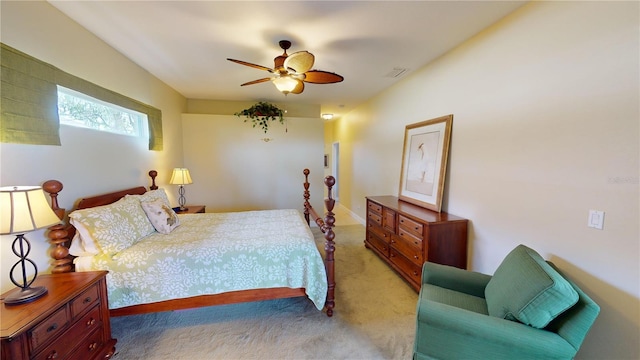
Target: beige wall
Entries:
(234, 169)
(545, 128)
(87, 162)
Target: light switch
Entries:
(596, 219)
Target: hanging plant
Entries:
(261, 114)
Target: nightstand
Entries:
(70, 322)
(192, 209)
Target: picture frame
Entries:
(424, 162)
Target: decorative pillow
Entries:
(163, 218)
(114, 227)
(527, 289)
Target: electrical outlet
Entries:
(596, 219)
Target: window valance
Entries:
(29, 100)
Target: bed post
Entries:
(306, 195)
(152, 175)
(58, 234)
(329, 247)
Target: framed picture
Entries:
(424, 162)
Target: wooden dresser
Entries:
(70, 322)
(406, 235)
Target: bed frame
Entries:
(61, 234)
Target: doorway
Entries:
(335, 152)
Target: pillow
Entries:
(114, 227)
(78, 248)
(84, 242)
(527, 289)
(153, 195)
(162, 217)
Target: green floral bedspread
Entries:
(214, 253)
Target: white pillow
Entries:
(114, 227)
(163, 218)
(153, 195)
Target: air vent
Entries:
(396, 72)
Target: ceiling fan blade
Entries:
(322, 77)
(299, 87)
(256, 81)
(299, 62)
(251, 65)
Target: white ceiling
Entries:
(186, 43)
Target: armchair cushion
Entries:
(527, 289)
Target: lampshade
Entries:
(180, 176)
(24, 209)
(285, 84)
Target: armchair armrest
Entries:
(499, 337)
(453, 278)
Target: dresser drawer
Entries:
(411, 226)
(371, 206)
(378, 244)
(389, 219)
(409, 237)
(374, 217)
(382, 233)
(87, 299)
(413, 271)
(411, 250)
(52, 327)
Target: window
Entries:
(78, 109)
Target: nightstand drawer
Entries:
(87, 299)
(53, 326)
(65, 343)
(89, 346)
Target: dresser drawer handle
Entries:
(415, 273)
(92, 321)
(415, 257)
(53, 355)
(93, 346)
(52, 327)
(86, 300)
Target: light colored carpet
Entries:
(374, 318)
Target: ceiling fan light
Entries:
(285, 84)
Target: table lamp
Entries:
(181, 177)
(24, 209)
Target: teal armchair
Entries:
(468, 315)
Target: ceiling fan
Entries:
(290, 72)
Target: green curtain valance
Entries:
(29, 101)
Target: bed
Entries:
(158, 261)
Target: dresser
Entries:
(70, 322)
(405, 236)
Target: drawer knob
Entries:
(92, 321)
(93, 346)
(415, 257)
(52, 327)
(86, 300)
(52, 355)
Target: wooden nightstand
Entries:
(70, 322)
(192, 209)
